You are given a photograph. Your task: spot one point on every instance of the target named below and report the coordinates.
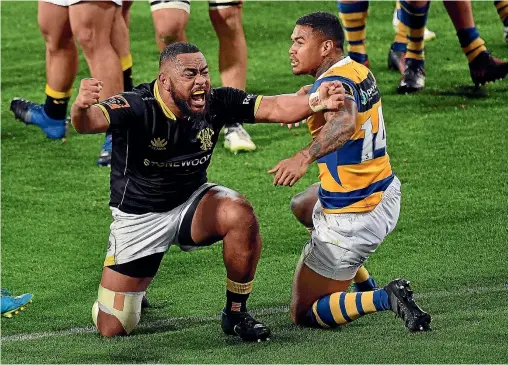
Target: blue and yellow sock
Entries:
(415, 19)
(502, 10)
(340, 308)
(354, 17)
(126, 63)
(471, 43)
(363, 281)
(400, 42)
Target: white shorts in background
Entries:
(133, 236)
(185, 4)
(72, 2)
(341, 243)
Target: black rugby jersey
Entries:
(159, 160)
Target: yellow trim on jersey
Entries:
(473, 45)
(318, 319)
(109, 261)
(126, 62)
(335, 309)
(105, 111)
(256, 105)
(57, 94)
(163, 105)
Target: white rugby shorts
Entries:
(72, 2)
(341, 243)
(133, 236)
(185, 4)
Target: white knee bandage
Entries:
(126, 307)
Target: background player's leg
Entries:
(131, 277)
(170, 24)
(126, 11)
(353, 15)
(482, 66)
(121, 43)
(414, 17)
(227, 22)
(61, 69)
(92, 25)
(502, 10)
(224, 214)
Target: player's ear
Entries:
(327, 48)
(164, 81)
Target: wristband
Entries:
(315, 102)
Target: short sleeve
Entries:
(235, 104)
(350, 89)
(120, 110)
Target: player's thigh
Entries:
(92, 21)
(170, 20)
(220, 210)
(303, 203)
(225, 15)
(54, 23)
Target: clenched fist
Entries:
(331, 95)
(89, 91)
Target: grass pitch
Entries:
(447, 145)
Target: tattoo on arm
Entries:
(339, 127)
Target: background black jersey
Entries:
(159, 160)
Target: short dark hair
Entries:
(174, 49)
(325, 23)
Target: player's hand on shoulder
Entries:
(89, 93)
(331, 95)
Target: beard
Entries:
(184, 106)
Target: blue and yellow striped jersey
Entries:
(354, 177)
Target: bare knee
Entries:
(169, 27)
(241, 216)
(88, 39)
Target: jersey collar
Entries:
(163, 105)
(342, 62)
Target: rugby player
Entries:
(164, 133)
(170, 18)
(358, 199)
(91, 23)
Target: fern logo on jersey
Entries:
(205, 137)
(158, 144)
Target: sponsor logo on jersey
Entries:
(248, 99)
(205, 137)
(116, 102)
(185, 163)
(158, 144)
(368, 94)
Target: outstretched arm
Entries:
(293, 108)
(339, 128)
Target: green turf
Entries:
(447, 145)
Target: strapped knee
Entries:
(126, 307)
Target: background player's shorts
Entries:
(185, 4)
(133, 236)
(72, 2)
(341, 243)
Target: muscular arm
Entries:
(294, 107)
(339, 128)
(89, 120)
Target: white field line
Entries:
(264, 311)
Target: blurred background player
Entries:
(91, 23)
(359, 195)
(13, 304)
(413, 15)
(170, 19)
